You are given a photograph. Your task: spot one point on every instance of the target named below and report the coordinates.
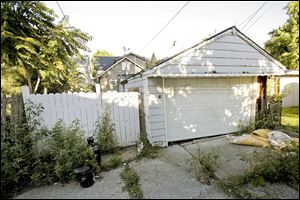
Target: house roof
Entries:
(209, 40)
(133, 54)
(104, 62)
(118, 61)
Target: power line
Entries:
(62, 12)
(165, 26)
(260, 16)
(254, 14)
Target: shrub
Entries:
(131, 180)
(205, 165)
(145, 149)
(267, 118)
(70, 150)
(104, 132)
(19, 140)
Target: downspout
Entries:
(165, 110)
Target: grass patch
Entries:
(131, 180)
(290, 118)
(113, 162)
(145, 149)
(205, 165)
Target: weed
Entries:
(205, 165)
(131, 180)
(145, 149)
(113, 162)
(272, 165)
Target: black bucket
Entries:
(85, 176)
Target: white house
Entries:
(205, 90)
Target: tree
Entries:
(93, 59)
(36, 51)
(152, 61)
(284, 42)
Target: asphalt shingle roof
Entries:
(104, 62)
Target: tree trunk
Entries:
(28, 77)
(37, 84)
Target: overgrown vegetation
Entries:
(34, 155)
(104, 132)
(131, 180)
(145, 149)
(267, 118)
(205, 165)
(113, 162)
(272, 165)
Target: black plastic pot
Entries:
(85, 176)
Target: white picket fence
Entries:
(88, 108)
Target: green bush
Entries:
(70, 150)
(33, 155)
(19, 156)
(205, 165)
(104, 132)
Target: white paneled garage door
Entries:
(199, 107)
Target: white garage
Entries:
(205, 90)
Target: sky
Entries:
(132, 24)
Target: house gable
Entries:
(228, 52)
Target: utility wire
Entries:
(253, 15)
(165, 26)
(260, 16)
(62, 12)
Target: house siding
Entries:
(112, 74)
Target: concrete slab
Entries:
(110, 187)
(230, 154)
(163, 179)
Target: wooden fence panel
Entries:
(88, 108)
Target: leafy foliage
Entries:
(284, 42)
(19, 150)
(93, 59)
(69, 150)
(36, 51)
(267, 118)
(104, 132)
(131, 179)
(32, 154)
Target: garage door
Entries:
(199, 107)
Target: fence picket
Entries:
(88, 108)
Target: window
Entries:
(113, 82)
(126, 66)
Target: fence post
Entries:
(25, 92)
